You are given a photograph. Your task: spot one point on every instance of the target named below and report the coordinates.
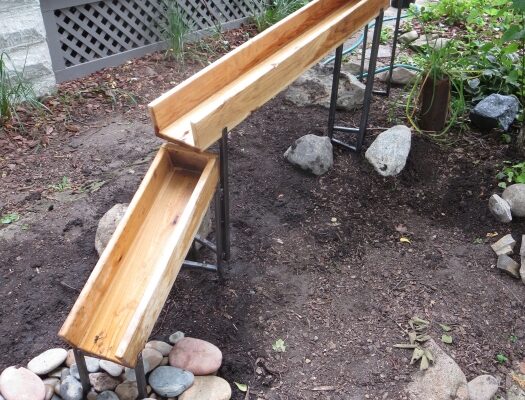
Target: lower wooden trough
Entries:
(117, 309)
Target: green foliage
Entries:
(279, 346)
(64, 184)
(275, 11)
(176, 29)
(14, 90)
(511, 174)
(501, 358)
(386, 35)
(9, 218)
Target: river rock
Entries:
(505, 245)
(107, 225)
(515, 196)
(71, 389)
(175, 337)
(196, 355)
(311, 153)
(170, 381)
(208, 388)
(92, 364)
(508, 265)
(162, 347)
(389, 151)
(408, 37)
(442, 381)
(400, 76)
(314, 87)
(70, 359)
(102, 381)
(47, 361)
(500, 208)
(107, 395)
(152, 358)
(483, 387)
(21, 384)
(495, 111)
(111, 368)
(127, 391)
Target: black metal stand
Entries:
(222, 217)
(363, 125)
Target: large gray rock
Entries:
(21, 383)
(71, 389)
(107, 225)
(515, 392)
(400, 76)
(483, 387)
(500, 208)
(495, 111)
(389, 151)
(170, 381)
(408, 37)
(515, 196)
(314, 87)
(442, 381)
(311, 153)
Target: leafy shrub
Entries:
(275, 11)
(176, 28)
(512, 174)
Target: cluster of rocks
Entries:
(185, 368)
(510, 203)
(504, 248)
(445, 381)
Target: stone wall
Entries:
(23, 38)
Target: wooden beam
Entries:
(226, 92)
(115, 312)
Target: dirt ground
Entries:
(316, 261)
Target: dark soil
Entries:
(316, 261)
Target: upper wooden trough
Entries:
(226, 92)
(115, 312)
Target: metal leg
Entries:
(370, 82)
(225, 215)
(363, 125)
(141, 378)
(363, 53)
(335, 89)
(392, 57)
(82, 371)
(218, 230)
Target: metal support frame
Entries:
(363, 125)
(140, 374)
(82, 371)
(222, 217)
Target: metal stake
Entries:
(225, 189)
(218, 230)
(140, 374)
(335, 90)
(82, 371)
(363, 53)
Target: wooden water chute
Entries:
(122, 299)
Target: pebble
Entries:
(21, 383)
(50, 392)
(71, 389)
(111, 368)
(208, 388)
(162, 347)
(483, 387)
(102, 381)
(196, 355)
(152, 358)
(107, 395)
(47, 361)
(175, 337)
(92, 395)
(127, 391)
(92, 364)
(170, 381)
(515, 196)
(70, 359)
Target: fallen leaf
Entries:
(446, 339)
(416, 355)
(446, 328)
(492, 234)
(424, 363)
(404, 240)
(241, 386)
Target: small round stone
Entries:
(196, 355)
(47, 361)
(151, 358)
(170, 381)
(111, 368)
(102, 381)
(162, 347)
(21, 384)
(127, 391)
(175, 337)
(70, 359)
(107, 395)
(71, 389)
(208, 388)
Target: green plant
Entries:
(386, 35)
(275, 11)
(14, 90)
(176, 29)
(7, 219)
(64, 184)
(501, 358)
(279, 346)
(511, 174)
